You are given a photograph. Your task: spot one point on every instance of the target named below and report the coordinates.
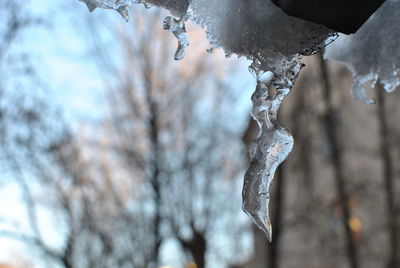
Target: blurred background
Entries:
(112, 154)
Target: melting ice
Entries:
(260, 31)
(272, 146)
(267, 152)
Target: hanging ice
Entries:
(373, 53)
(269, 150)
(177, 27)
(121, 6)
(260, 31)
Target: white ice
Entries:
(373, 53)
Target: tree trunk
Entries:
(331, 125)
(388, 173)
(277, 217)
(66, 258)
(155, 171)
(197, 247)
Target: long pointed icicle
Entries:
(267, 152)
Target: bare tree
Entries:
(182, 150)
(389, 178)
(331, 125)
(163, 164)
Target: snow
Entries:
(372, 54)
(258, 29)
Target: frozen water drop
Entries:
(177, 27)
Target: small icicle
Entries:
(267, 152)
(91, 4)
(124, 12)
(177, 27)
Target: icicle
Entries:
(124, 12)
(268, 151)
(91, 4)
(121, 6)
(177, 27)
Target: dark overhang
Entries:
(345, 16)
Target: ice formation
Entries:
(267, 152)
(373, 53)
(241, 27)
(177, 27)
(121, 6)
(260, 31)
